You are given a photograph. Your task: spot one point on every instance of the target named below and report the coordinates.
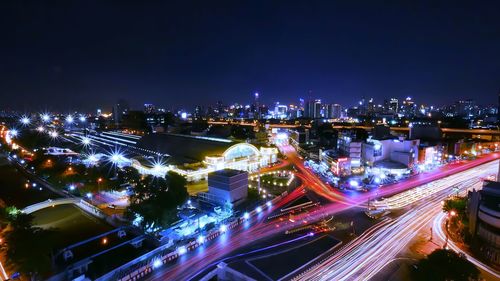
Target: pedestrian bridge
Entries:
(82, 204)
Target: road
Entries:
(368, 254)
(194, 263)
(487, 272)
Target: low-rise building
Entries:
(226, 187)
(400, 150)
(194, 157)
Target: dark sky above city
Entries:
(86, 54)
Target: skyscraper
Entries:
(121, 108)
(336, 111)
(149, 108)
(256, 106)
(313, 109)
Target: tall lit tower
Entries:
(256, 105)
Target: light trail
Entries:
(249, 232)
(437, 226)
(369, 254)
(411, 196)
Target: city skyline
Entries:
(182, 55)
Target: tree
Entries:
(28, 248)
(455, 204)
(443, 265)
(156, 199)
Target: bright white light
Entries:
(116, 157)
(13, 133)
(377, 180)
(69, 119)
(382, 176)
(89, 195)
(189, 202)
(353, 183)
(85, 141)
(258, 209)
(40, 129)
(183, 115)
(157, 263)
(223, 228)
(72, 187)
(82, 119)
(158, 167)
(282, 136)
(269, 204)
(181, 250)
(45, 117)
(201, 239)
(246, 215)
(92, 158)
(53, 134)
(25, 120)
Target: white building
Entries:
(397, 150)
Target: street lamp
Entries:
(25, 120)
(45, 117)
(86, 141)
(69, 119)
(13, 133)
(53, 134)
(99, 180)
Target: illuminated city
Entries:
(250, 140)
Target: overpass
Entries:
(444, 130)
(253, 124)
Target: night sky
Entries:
(88, 54)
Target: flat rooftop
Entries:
(228, 172)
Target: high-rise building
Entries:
(121, 108)
(465, 108)
(313, 109)
(332, 111)
(409, 107)
(149, 108)
(336, 111)
(256, 106)
(392, 105)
